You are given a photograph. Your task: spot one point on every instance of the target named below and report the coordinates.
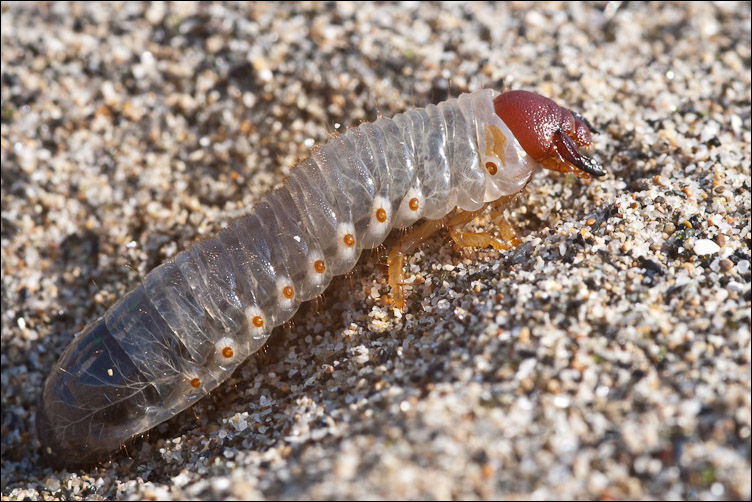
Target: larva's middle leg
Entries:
(503, 236)
(396, 259)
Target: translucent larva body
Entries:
(194, 319)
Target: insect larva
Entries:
(194, 319)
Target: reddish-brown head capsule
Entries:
(549, 133)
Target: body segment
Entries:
(195, 318)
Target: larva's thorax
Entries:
(194, 319)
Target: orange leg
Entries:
(503, 237)
(396, 258)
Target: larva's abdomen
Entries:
(194, 319)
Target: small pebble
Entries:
(704, 247)
(742, 267)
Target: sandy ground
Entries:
(606, 357)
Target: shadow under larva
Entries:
(194, 319)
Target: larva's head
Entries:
(548, 133)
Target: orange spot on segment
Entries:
(491, 168)
(414, 204)
(195, 383)
(319, 266)
(495, 143)
(258, 321)
(349, 240)
(288, 292)
(227, 352)
(381, 215)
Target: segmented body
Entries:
(195, 318)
